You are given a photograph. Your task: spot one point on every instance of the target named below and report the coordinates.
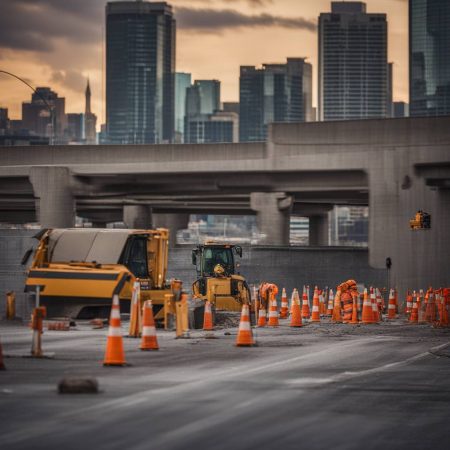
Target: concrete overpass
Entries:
(396, 166)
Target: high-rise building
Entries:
(401, 109)
(353, 67)
(140, 72)
(90, 119)
(273, 93)
(429, 57)
(75, 128)
(209, 95)
(45, 107)
(182, 82)
(4, 119)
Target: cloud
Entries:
(214, 21)
(70, 79)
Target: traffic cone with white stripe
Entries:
(114, 354)
(292, 302)
(284, 305)
(414, 317)
(305, 305)
(409, 303)
(337, 318)
(373, 300)
(262, 316)
(245, 336)
(330, 303)
(296, 313)
(273, 311)
(315, 316)
(149, 340)
(207, 317)
(392, 307)
(367, 312)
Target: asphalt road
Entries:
(322, 386)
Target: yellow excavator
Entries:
(77, 270)
(217, 279)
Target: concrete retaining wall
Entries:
(286, 266)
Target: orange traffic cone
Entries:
(207, 317)
(392, 307)
(414, 317)
(322, 308)
(273, 312)
(262, 321)
(292, 302)
(408, 307)
(337, 307)
(367, 312)
(355, 307)
(245, 336)
(284, 305)
(380, 302)
(430, 312)
(296, 313)
(149, 340)
(315, 317)
(330, 303)
(305, 305)
(114, 355)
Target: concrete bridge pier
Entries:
(174, 222)
(318, 230)
(273, 211)
(55, 204)
(137, 216)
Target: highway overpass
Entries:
(396, 166)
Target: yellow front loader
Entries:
(217, 279)
(78, 270)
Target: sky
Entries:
(59, 43)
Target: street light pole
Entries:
(50, 108)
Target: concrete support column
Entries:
(55, 204)
(273, 216)
(137, 216)
(174, 222)
(318, 230)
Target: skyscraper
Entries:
(182, 82)
(140, 71)
(273, 93)
(90, 119)
(429, 57)
(353, 67)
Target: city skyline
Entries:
(233, 32)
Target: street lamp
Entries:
(50, 108)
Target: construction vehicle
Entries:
(217, 279)
(421, 221)
(78, 270)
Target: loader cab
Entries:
(206, 257)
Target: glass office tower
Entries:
(353, 67)
(140, 72)
(273, 93)
(429, 57)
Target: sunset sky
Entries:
(58, 43)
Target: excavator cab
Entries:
(217, 278)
